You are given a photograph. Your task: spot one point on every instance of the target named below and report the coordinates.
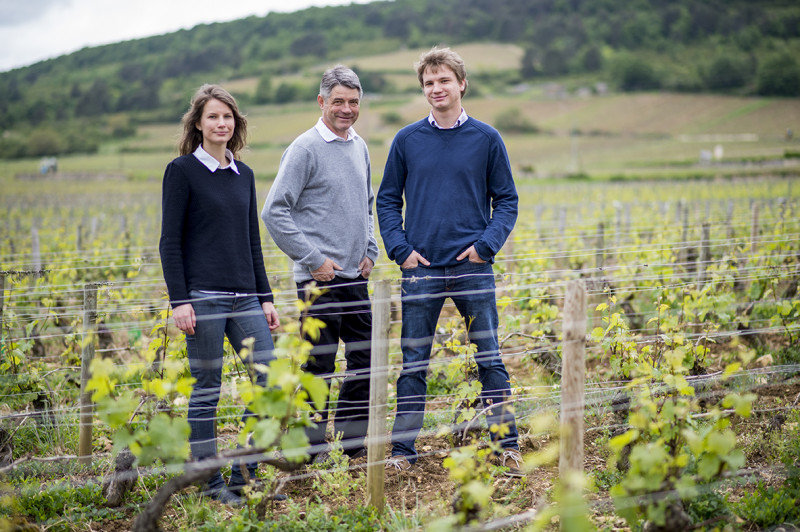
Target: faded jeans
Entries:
(238, 317)
(471, 287)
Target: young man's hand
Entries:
(414, 260)
(471, 255)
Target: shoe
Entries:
(398, 464)
(322, 458)
(236, 482)
(224, 496)
(237, 489)
(361, 453)
(511, 459)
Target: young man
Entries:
(319, 212)
(460, 206)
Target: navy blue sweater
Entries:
(458, 191)
(210, 231)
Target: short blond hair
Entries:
(438, 57)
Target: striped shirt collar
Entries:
(461, 119)
(213, 164)
(329, 136)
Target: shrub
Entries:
(779, 76)
(634, 74)
(726, 73)
(513, 121)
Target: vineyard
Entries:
(691, 392)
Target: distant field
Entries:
(648, 134)
(483, 57)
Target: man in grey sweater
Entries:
(319, 212)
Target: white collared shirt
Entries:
(461, 119)
(212, 164)
(329, 136)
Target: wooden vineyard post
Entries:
(36, 253)
(600, 245)
(572, 379)
(87, 354)
(705, 255)
(2, 305)
(378, 392)
(754, 229)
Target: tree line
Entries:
(747, 47)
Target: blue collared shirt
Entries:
(212, 164)
(461, 119)
(329, 136)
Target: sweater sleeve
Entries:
(293, 173)
(174, 203)
(505, 201)
(372, 244)
(262, 282)
(389, 204)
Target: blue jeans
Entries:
(471, 287)
(238, 318)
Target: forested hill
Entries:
(745, 46)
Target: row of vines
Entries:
(692, 353)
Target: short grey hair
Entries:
(339, 75)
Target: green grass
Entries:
(649, 135)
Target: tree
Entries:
(309, 44)
(726, 73)
(96, 100)
(264, 89)
(634, 74)
(779, 76)
(286, 92)
(591, 59)
(554, 63)
(45, 141)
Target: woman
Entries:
(213, 266)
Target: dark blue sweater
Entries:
(458, 191)
(210, 231)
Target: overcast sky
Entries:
(33, 30)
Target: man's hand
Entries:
(184, 318)
(414, 260)
(271, 314)
(365, 267)
(471, 255)
(327, 271)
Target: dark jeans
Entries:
(238, 318)
(345, 308)
(423, 292)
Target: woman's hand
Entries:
(272, 315)
(184, 318)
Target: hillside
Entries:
(75, 102)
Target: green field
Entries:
(691, 269)
(639, 135)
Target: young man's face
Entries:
(442, 88)
(340, 110)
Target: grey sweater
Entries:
(320, 204)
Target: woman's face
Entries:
(216, 123)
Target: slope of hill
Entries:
(73, 103)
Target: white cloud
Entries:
(35, 30)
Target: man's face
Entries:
(340, 110)
(442, 89)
